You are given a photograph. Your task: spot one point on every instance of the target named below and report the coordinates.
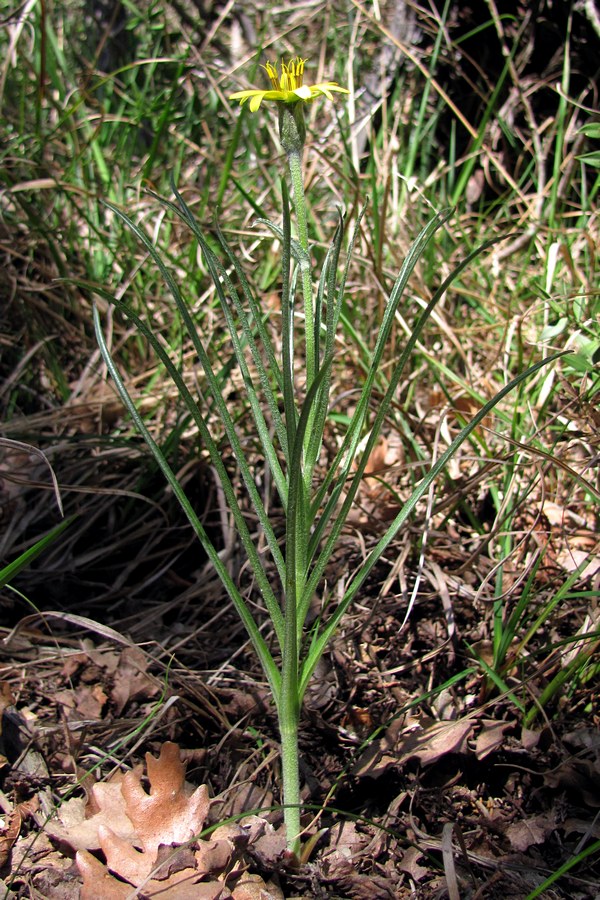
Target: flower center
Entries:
(292, 75)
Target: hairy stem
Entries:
(295, 164)
(292, 133)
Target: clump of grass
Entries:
(515, 160)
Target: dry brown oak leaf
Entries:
(162, 823)
(99, 883)
(171, 813)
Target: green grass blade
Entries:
(287, 328)
(213, 383)
(322, 640)
(354, 431)
(493, 675)
(298, 524)
(221, 277)
(28, 556)
(327, 288)
(340, 469)
(562, 870)
(221, 407)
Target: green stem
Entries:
(288, 706)
(289, 720)
(292, 133)
(295, 164)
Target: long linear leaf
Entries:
(28, 556)
(335, 297)
(297, 531)
(11, 443)
(223, 476)
(219, 273)
(257, 314)
(297, 251)
(326, 290)
(220, 405)
(258, 642)
(287, 329)
(381, 414)
(216, 271)
(259, 317)
(354, 432)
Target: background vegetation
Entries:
(474, 108)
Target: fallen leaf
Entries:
(368, 887)
(211, 890)
(346, 840)
(35, 853)
(99, 884)
(580, 778)
(169, 862)
(5, 891)
(427, 744)
(123, 859)
(73, 828)
(9, 832)
(239, 834)
(58, 883)
(583, 739)
(170, 813)
(97, 880)
(248, 796)
(491, 737)
(271, 848)
(253, 887)
(213, 857)
(150, 848)
(523, 834)
(571, 559)
(6, 696)
(410, 864)
(530, 739)
(131, 681)
(11, 828)
(581, 826)
(151, 845)
(90, 701)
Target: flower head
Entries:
(288, 86)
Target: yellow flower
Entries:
(288, 86)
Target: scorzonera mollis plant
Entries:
(287, 380)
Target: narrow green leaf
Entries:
(28, 556)
(318, 646)
(562, 870)
(217, 397)
(258, 642)
(220, 276)
(223, 476)
(287, 328)
(341, 467)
